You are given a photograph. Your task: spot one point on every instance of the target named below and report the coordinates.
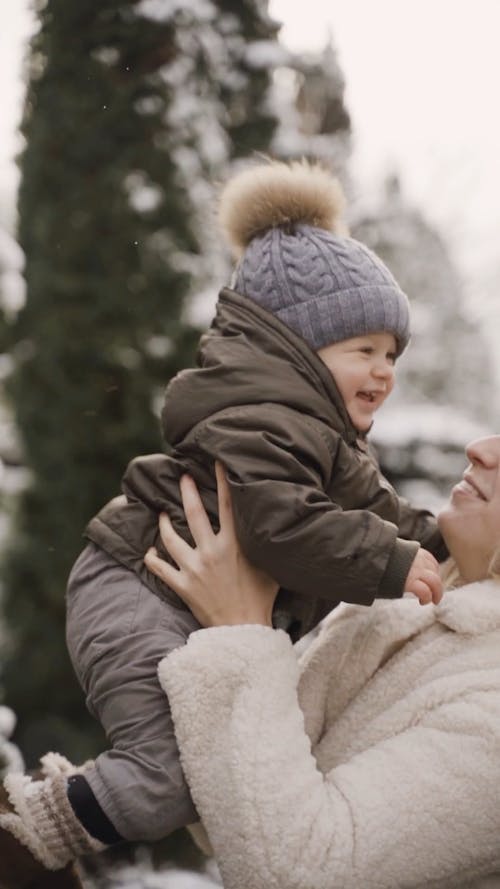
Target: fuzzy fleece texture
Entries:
(385, 775)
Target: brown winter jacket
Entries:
(310, 504)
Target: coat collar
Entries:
(285, 341)
(472, 609)
(354, 643)
(249, 356)
(366, 638)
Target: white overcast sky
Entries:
(423, 83)
(422, 87)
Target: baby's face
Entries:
(363, 369)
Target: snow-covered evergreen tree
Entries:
(314, 122)
(10, 755)
(12, 285)
(305, 95)
(12, 293)
(131, 109)
(221, 116)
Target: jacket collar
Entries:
(294, 347)
(249, 356)
(472, 609)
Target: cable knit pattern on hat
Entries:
(325, 286)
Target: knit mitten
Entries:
(39, 831)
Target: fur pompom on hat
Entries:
(276, 194)
(284, 224)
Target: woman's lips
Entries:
(469, 489)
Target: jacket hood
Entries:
(250, 357)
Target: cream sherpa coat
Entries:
(402, 710)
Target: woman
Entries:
(373, 762)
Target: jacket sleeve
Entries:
(278, 469)
(421, 525)
(414, 523)
(417, 809)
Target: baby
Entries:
(299, 357)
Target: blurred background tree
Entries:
(313, 118)
(130, 108)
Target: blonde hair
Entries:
(450, 575)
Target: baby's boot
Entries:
(40, 836)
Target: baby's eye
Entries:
(367, 350)
(391, 356)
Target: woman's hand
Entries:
(215, 580)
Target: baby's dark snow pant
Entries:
(117, 632)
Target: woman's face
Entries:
(470, 522)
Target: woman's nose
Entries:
(485, 451)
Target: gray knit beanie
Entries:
(295, 260)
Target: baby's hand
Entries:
(423, 579)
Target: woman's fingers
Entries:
(180, 551)
(214, 579)
(162, 569)
(226, 518)
(196, 515)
